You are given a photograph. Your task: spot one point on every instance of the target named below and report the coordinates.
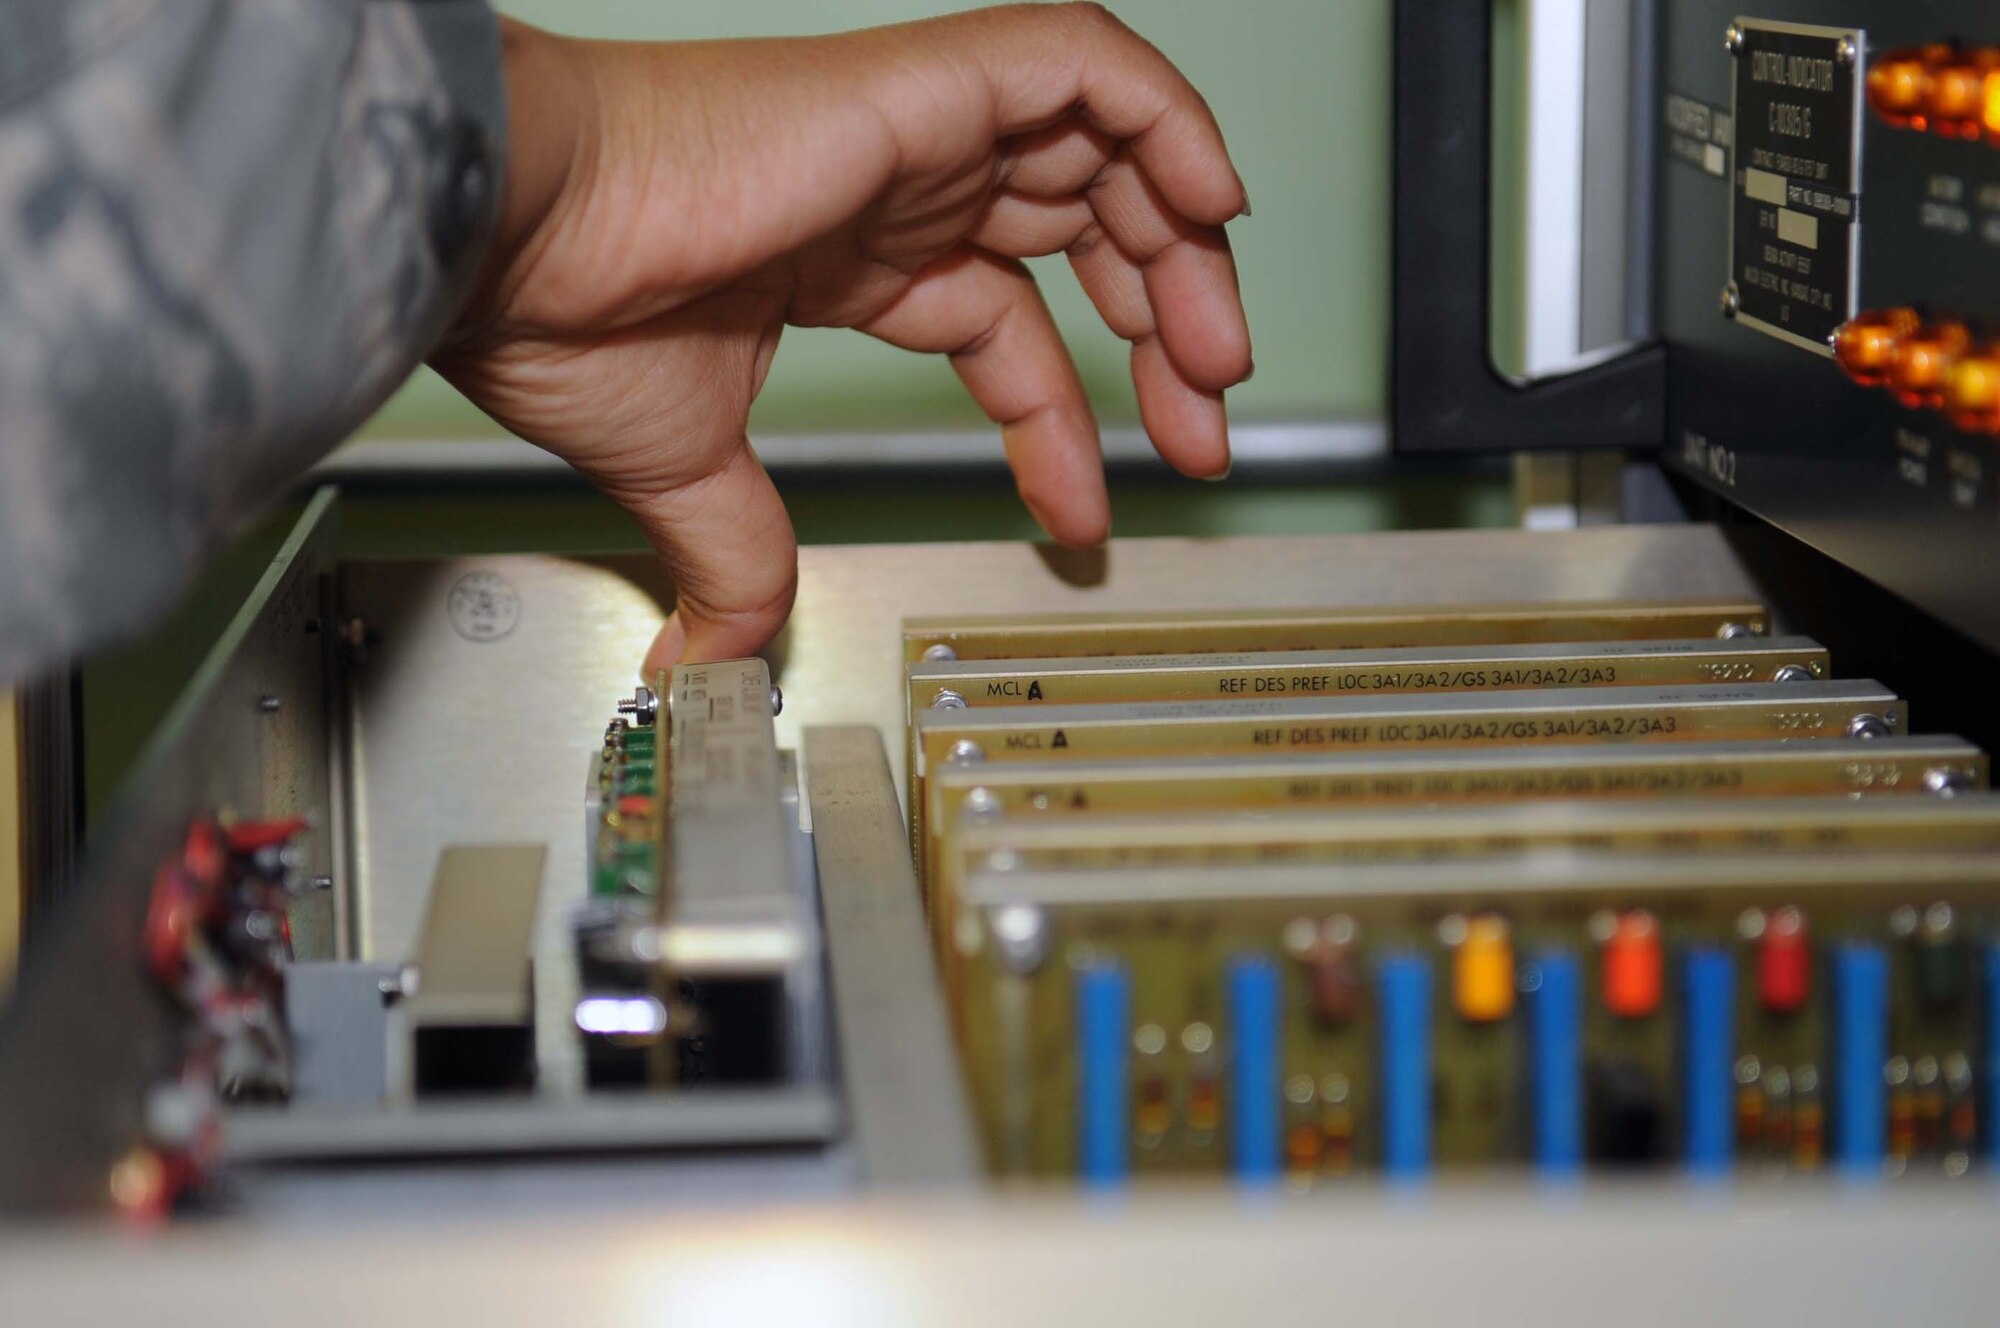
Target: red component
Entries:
(635, 804)
(1634, 966)
(201, 852)
(1784, 962)
(246, 837)
(170, 920)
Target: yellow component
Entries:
(1990, 105)
(1482, 970)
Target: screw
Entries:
(1946, 782)
(320, 883)
(1735, 631)
(642, 705)
(1021, 937)
(939, 654)
(270, 705)
(965, 751)
(982, 801)
(1844, 53)
(1732, 40)
(1867, 726)
(777, 701)
(1732, 301)
(1793, 673)
(947, 699)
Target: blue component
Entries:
(1103, 1024)
(1256, 1035)
(1555, 1064)
(1992, 1056)
(1860, 1049)
(1709, 1053)
(1404, 1000)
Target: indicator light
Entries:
(1899, 85)
(1865, 345)
(1784, 962)
(1924, 360)
(1956, 95)
(1482, 971)
(1990, 105)
(1972, 390)
(1634, 968)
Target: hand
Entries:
(670, 208)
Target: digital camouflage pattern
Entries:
(228, 230)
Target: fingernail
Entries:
(1250, 373)
(1222, 474)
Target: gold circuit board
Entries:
(1352, 723)
(1029, 636)
(956, 684)
(1779, 1011)
(1221, 840)
(1896, 765)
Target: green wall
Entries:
(1301, 88)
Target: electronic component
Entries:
(1483, 964)
(1708, 1057)
(1404, 998)
(1554, 985)
(698, 931)
(1034, 636)
(1634, 967)
(1860, 1042)
(1256, 1032)
(956, 684)
(1445, 1091)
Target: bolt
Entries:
(1793, 673)
(1732, 301)
(1844, 53)
(777, 701)
(642, 705)
(947, 699)
(965, 751)
(939, 654)
(1732, 40)
(1867, 726)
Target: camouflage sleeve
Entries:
(228, 230)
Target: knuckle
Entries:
(1093, 17)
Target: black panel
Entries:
(1897, 495)
(1446, 395)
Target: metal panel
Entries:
(88, 1033)
(911, 1123)
(1791, 1254)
